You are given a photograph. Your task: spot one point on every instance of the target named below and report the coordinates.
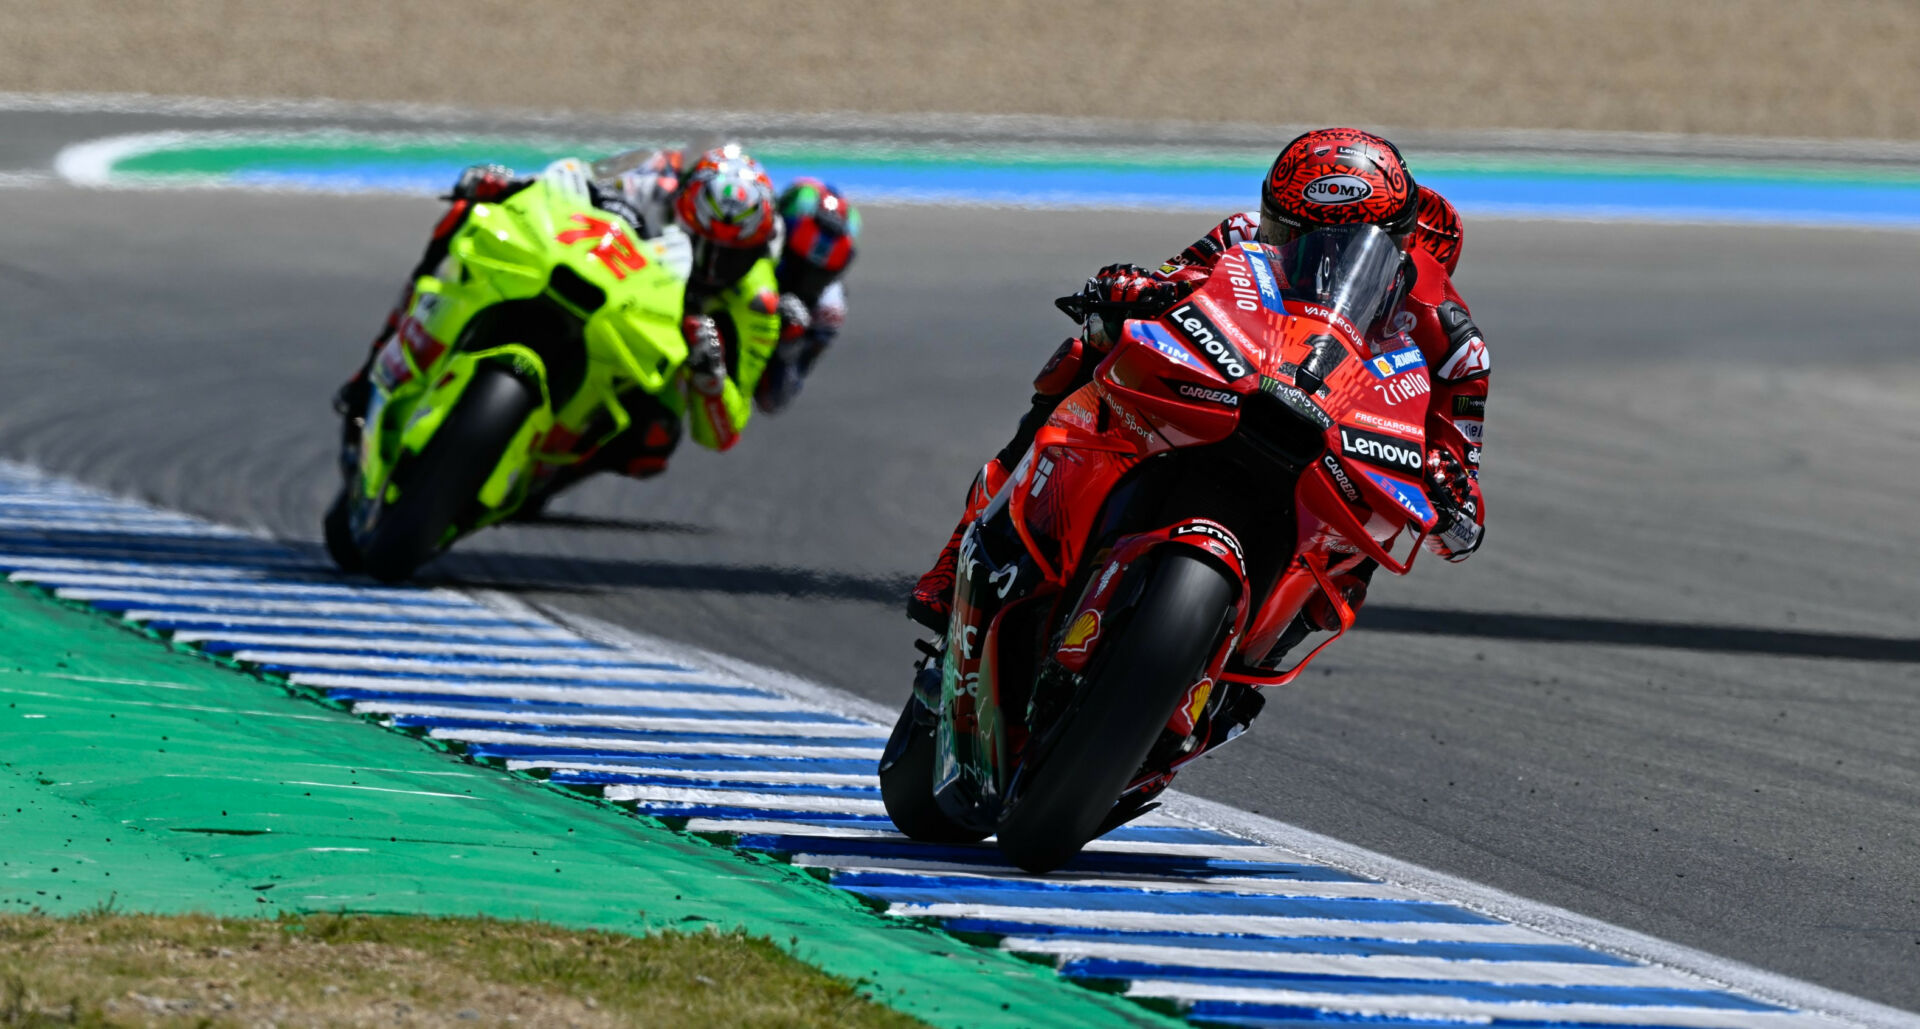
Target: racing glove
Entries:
(1133, 287)
(482, 182)
(795, 319)
(706, 356)
(1458, 532)
(1114, 294)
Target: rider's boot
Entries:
(350, 400)
(931, 603)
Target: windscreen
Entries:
(1354, 270)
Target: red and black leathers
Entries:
(1434, 317)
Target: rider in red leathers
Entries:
(1326, 177)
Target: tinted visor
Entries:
(1354, 270)
(1276, 233)
(716, 267)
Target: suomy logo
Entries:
(1337, 189)
(1211, 341)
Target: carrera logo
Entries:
(1211, 340)
(1377, 449)
(1340, 477)
(1211, 396)
(1334, 190)
(1212, 532)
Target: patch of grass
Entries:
(107, 969)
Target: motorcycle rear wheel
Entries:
(446, 476)
(906, 785)
(1159, 652)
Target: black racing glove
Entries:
(1458, 532)
(1116, 293)
(482, 182)
(706, 356)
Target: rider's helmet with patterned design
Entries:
(1336, 177)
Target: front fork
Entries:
(384, 445)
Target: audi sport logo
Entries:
(1334, 190)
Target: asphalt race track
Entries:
(1678, 691)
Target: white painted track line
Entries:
(1196, 904)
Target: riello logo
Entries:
(1333, 190)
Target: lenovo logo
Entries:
(1196, 326)
(1378, 449)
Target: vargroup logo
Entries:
(1333, 190)
(1211, 341)
(1377, 449)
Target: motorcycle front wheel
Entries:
(1145, 670)
(443, 480)
(906, 781)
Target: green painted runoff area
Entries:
(155, 781)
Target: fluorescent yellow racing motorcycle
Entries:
(505, 369)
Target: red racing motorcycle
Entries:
(1118, 603)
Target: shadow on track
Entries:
(1673, 635)
(527, 572)
(515, 573)
(574, 521)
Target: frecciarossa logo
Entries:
(1208, 338)
(1379, 449)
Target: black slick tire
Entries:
(1146, 669)
(906, 785)
(337, 530)
(442, 481)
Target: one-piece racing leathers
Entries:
(1433, 316)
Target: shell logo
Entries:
(1081, 634)
(1197, 699)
